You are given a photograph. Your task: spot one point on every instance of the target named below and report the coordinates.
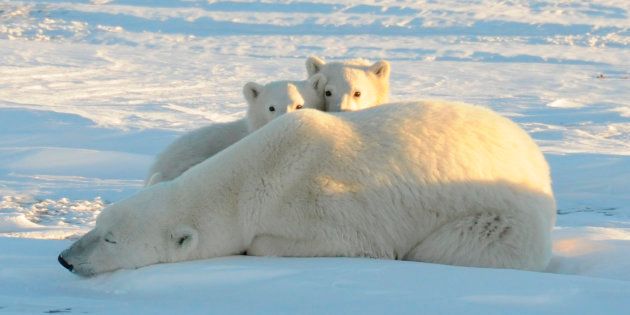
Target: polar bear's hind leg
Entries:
(481, 240)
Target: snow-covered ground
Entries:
(90, 91)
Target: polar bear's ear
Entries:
(314, 65)
(184, 237)
(251, 91)
(381, 69)
(318, 82)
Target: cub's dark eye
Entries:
(272, 109)
(357, 94)
(328, 93)
(110, 241)
(299, 107)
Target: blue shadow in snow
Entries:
(206, 26)
(69, 130)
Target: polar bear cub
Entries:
(427, 181)
(265, 103)
(353, 84)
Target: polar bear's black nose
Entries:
(64, 263)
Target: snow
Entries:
(258, 285)
(90, 91)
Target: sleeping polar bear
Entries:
(424, 181)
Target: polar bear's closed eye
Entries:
(109, 238)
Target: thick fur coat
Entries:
(424, 181)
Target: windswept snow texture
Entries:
(90, 91)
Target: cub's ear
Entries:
(381, 69)
(314, 65)
(318, 82)
(184, 237)
(251, 91)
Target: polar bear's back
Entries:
(425, 145)
(455, 142)
(433, 146)
(444, 141)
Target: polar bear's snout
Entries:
(119, 241)
(75, 257)
(64, 263)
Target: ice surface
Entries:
(293, 285)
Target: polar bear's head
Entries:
(267, 102)
(352, 85)
(146, 229)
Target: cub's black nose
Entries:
(64, 263)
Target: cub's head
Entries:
(352, 85)
(147, 228)
(267, 102)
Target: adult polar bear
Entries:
(425, 181)
(264, 103)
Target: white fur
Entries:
(425, 181)
(200, 144)
(345, 79)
